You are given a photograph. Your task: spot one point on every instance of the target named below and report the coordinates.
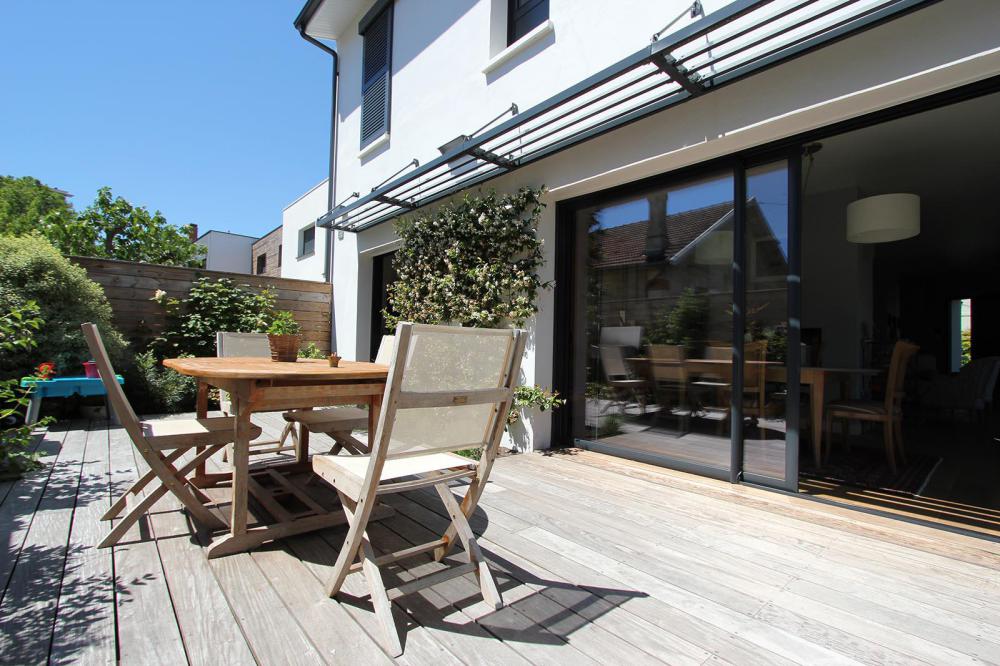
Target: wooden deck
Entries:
(600, 560)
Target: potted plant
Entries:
(284, 338)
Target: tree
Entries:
(27, 205)
(112, 227)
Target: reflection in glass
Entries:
(765, 339)
(653, 359)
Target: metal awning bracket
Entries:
(667, 64)
(384, 198)
(493, 158)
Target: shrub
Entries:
(311, 351)
(18, 327)
(685, 324)
(157, 390)
(473, 262)
(31, 269)
(211, 306)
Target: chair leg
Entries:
(122, 501)
(357, 545)
(827, 436)
(487, 583)
(890, 453)
(897, 425)
(136, 512)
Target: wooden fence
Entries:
(129, 287)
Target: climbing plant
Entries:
(474, 262)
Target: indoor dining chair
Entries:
(888, 412)
(449, 389)
(161, 444)
(229, 344)
(340, 422)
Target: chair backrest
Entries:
(228, 344)
(668, 363)
(448, 389)
(754, 355)
(384, 355)
(116, 395)
(901, 354)
(613, 362)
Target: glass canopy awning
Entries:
(744, 37)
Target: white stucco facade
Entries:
(297, 259)
(226, 251)
(440, 90)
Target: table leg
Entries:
(241, 464)
(374, 408)
(816, 399)
(201, 411)
(33, 408)
(302, 445)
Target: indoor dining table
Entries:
(263, 385)
(815, 377)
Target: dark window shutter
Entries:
(376, 71)
(523, 16)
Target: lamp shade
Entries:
(716, 249)
(883, 218)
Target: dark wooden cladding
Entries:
(129, 287)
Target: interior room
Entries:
(877, 268)
(899, 329)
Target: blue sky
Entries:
(216, 113)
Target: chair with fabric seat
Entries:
(621, 379)
(340, 422)
(161, 445)
(229, 344)
(888, 412)
(448, 389)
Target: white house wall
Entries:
(298, 215)
(439, 91)
(227, 252)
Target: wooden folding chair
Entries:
(153, 439)
(340, 422)
(448, 389)
(229, 344)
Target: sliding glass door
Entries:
(674, 312)
(771, 349)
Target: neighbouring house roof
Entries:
(223, 233)
(627, 244)
(743, 37)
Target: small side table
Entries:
(63, 387)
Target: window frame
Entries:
(515, 13)
(261, 264)
(302, 241)
(379, 11)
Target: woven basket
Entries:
(284, 348)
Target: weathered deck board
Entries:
(599, 560)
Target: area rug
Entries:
(867, 468)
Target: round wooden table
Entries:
(263, 385)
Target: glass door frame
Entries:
(793, 359)
(564, 333)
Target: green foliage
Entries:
(685, 324)
(473, 262)
(28, 206)
(284, 324)
(966, 347)
(17, 329)
(32, 270)
(156, 389)
(113, 228)
(210, 306)
(311, 351)
(528, 397)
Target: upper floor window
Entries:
(307, 241)
(261, 263)
(279, 255)
(376, 71)
(523, 16)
